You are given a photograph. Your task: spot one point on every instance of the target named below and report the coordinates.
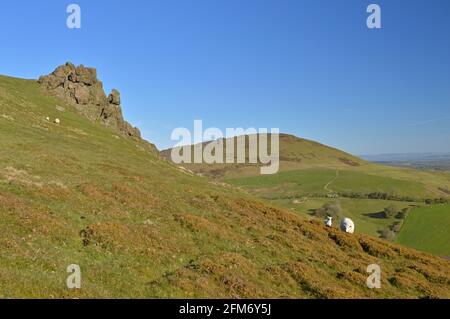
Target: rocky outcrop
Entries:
(79, 86)
(114, 97)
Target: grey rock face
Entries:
(79, 86)
(114, 97)
(81, 94)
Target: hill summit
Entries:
(295, 153)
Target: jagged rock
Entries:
(77, 85)
(114, 97)
(87, 76)
(130, 130)
(81, 94)
(80, 87)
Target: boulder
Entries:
(81, 95)
(114, 97)
(87, 76)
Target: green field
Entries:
(324, 181)
(364, 212)
(428, 229)
(303, 191)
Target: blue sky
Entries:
(311, 68)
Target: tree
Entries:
(332, 210)
(390, 211)
(404, 213)
(397, 226)
(388, 234)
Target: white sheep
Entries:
(47, 119)
(329, 221)
(347, 225)
(57, 121)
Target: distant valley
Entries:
(432, 161)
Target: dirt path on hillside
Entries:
(327, 186)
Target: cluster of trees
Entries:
(332, 210)
(430, 201)
(392, 211)
(386, 196)
(403, 213)
(393, 230)
(378, 195)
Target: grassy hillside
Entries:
(427, 229)
(312, 175)
(362, 194)
(317, 164)
(324, 181)
(139, 226)
(295, 153)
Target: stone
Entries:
(79, 86)
(81, 95)
(114, 97)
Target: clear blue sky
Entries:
(311, 68)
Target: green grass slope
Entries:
(427, 228)
(317, 164)
(139, 226)
(324, 181)
(295, 153)
(312, 175)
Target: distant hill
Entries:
(295, 153)
(87, 190)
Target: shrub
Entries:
(397, 226)
(379, 195)
(390, 211)
(440, 200)
(404, 213)
(332, 210)
(388, 234)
